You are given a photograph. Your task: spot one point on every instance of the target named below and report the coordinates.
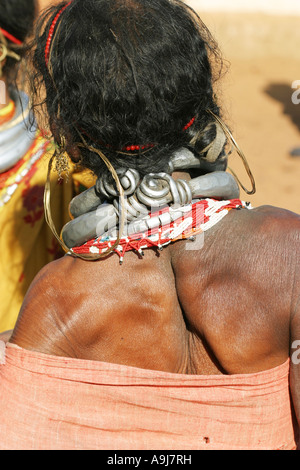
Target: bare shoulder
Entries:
(286, 220)
(48, 283)
(276, 228)
(266, 240)
(45, 297)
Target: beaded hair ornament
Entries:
(51, 32)
(212, 153)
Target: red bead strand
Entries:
(133, 148)
(51, 32)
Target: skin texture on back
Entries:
(224, 308)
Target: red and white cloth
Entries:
(198, 217)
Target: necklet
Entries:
(198, 217)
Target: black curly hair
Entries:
(17, 18)
(127, 72)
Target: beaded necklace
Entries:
(198, 217)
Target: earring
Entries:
(62, 160)
(48, 213)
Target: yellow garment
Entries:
(8, 112)
(26, 242)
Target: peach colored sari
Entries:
(58, 403)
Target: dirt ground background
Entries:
(263, 52)
(256, 93)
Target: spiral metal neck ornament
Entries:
(97, 211)
(127, 202)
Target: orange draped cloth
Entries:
(57, 403)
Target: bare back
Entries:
(223, 308)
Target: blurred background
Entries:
(260, 43)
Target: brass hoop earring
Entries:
(48, 215)
(121, 194)
(239, 152)
(47, 205)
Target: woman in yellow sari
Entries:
(26, 242)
